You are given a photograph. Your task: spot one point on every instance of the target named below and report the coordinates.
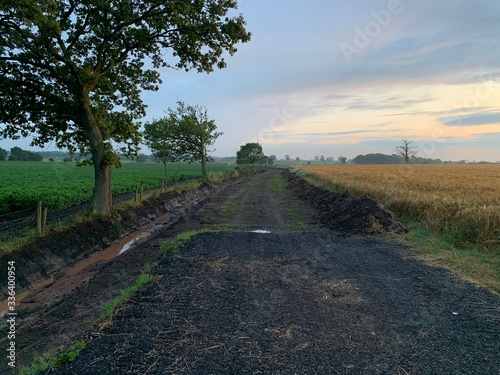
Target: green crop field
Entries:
(60, 185)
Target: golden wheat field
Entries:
(463, 200)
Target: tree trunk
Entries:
(102, 196)
(204, 167)
(102, 203)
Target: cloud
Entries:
(476, 119)
(332, 134)
(387, 103)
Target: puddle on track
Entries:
(115, 249)
(112, 251)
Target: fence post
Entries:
(142, 191)
(39, 218)
(44, 219)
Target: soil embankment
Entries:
(344, 212)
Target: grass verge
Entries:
(470, 263)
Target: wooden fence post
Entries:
(44, 219)
(39, 218)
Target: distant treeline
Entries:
(18, 154)
(391, 159)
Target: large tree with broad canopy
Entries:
(72, 71)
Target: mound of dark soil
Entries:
(344, 212)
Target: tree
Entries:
(297, 158)
(158, 137)
(264, 160)
(192, 133)
(249, 154)
(406, 150)
(33, 156)
(272, 159)
(287, 157)
(72, 72)
(18, 154)
(342, 159)
(3, 154)
(322, 158)
(141, 158)
(316, 158)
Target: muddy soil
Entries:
(296, 299)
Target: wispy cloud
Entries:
(476, 119)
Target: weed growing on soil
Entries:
(48, 362)
(144, 278)
(173, 246)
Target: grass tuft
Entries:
(144, 278)
(173, 246)
(46, 363)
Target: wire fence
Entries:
(9, 229)
(22, 223)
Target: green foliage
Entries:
(61, 57)
(144, 278)
(3, 154)
(250, 154)
(72, 72)
(60, 185)
(158, 137)
(18, 154)
(185, 133)
(173, 246)
(47, 363)
(70, 354)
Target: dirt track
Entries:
(298, 300)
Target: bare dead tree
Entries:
(406, 150)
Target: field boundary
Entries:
(24, 222)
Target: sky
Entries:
(332, 78)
